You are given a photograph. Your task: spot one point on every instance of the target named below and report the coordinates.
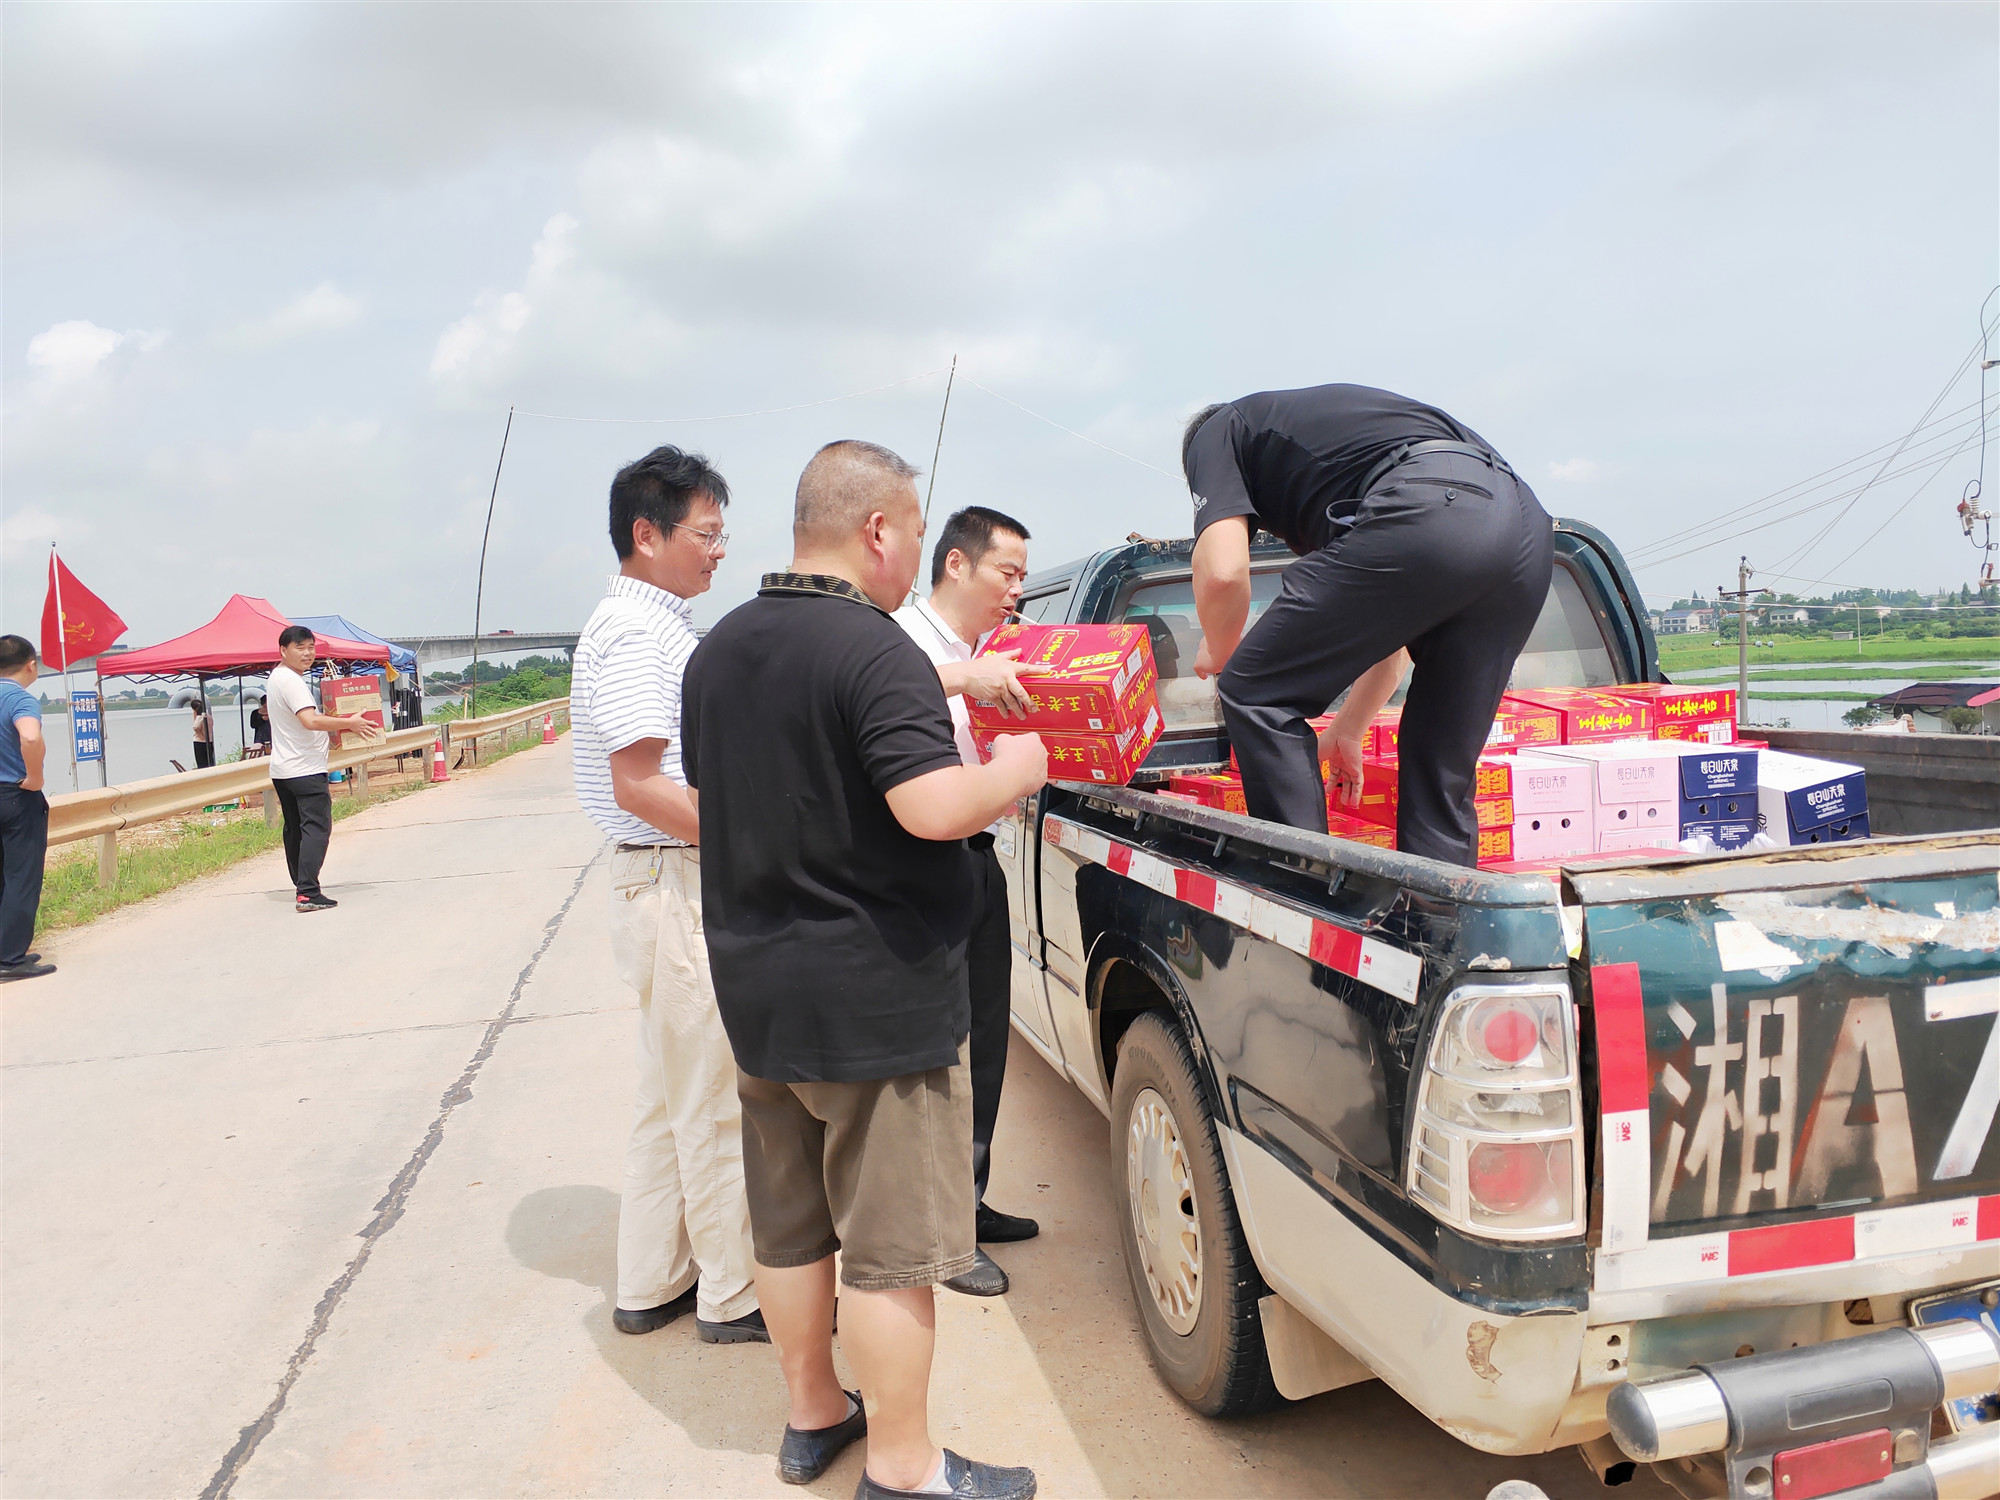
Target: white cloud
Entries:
(1575, 470)
(68, 354)
(324, 309)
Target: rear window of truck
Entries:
(1567, 648)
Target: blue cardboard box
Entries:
(1718, 785)
(1804, 800)
(1727, 836)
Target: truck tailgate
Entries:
(1798, 1065)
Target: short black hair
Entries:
(16, 651)
(971, 531)
(659, 488)
(1194, 425)
(291, 635)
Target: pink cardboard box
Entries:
(1552, 806)
(1635, 796)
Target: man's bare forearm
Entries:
(956, 801)
(1371, 690)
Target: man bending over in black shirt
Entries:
(837, 897)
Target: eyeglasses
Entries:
(715, 541)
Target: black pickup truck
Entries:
(1628, 1160)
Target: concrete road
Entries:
(326, 1206)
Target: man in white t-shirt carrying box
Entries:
(977, 569)
(300, 738)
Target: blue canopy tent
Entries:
(402, 658)
(407, 692)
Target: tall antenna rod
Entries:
(479, 594)
(949, 378)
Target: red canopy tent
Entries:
(242, 638)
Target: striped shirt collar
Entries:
(623, 586)
(817, 583)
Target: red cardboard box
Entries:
(1086, 755)
(1096, 679)
(1589, 714)
(1707, 714)
(1519, 723)
(1095, 704)
(1381, 791)
(347, 696)
(1381, 736)
(1346, 826)
(1223, 790)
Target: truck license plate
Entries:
(1975, 1304)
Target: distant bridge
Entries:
(436, 648)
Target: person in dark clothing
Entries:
(24, 810)
(260, 726)
(204, 735)
(1418, 546)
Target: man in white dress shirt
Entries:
(977, 569)
(683, 1220)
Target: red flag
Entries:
(75, 622)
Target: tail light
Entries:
(1497, 1145)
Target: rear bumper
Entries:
(1855, 1413)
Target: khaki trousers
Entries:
(683, 1213)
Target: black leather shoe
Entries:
(748, 1329)
(995, 1228)
(28, 968)
(968, 1481)
(804, 1456)
(646, 1319)
(985, 1279)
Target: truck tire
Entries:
(1191, 1272)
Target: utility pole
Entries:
(1742, 595)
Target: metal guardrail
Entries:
(101, 812)
(469, 732)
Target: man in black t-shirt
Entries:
(837, 901)
(1417, 545)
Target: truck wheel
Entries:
(1191, 1271)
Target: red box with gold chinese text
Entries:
(1223, 791)
(1091, 679)
(1085, 755)
(1707, 714)
(1346, 826)
(1492, 801)
(1589, 714)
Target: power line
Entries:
(1949, 424)
(1176, 478)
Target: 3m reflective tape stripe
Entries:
(1337, 948)
(1391, 970)
(1233, 904)
(1381, 965)
(1620, 1012)
(1916, 1228)
(1618, 1008)
(1670, 1262)
(1195, 888)
(1156, 874)
(1785, 1247)
(1628, 1178)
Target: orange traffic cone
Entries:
(548, 729)
(438, 771)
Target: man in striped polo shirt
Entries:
(683, 1222)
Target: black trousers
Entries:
(989, 962)
(24, 848)
(1448, 555)
(308, 808)
(204, 754)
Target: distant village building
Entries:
(1927, 702)
(1686, 622)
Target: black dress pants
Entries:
(1449, 555)
(24, 848)
(989, 963)
(204, 754)
(308, 809)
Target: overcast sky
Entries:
(273, 276)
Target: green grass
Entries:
(1835, 672)
(71, 895)
(1681, 653)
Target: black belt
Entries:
(1432, 445)
(981, 841)
(647, 848)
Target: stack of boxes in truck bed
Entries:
(1586, 773)
(1095, 698)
